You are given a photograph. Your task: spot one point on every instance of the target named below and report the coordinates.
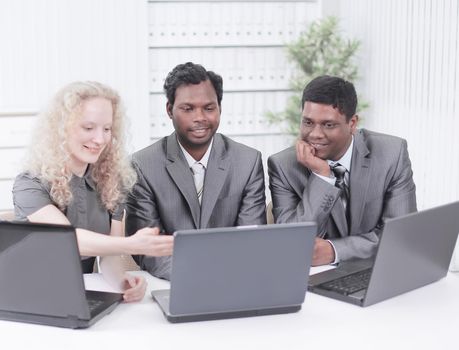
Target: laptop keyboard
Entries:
(349, 284)
(94, 304)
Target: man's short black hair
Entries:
(332, 91)
(191, 73)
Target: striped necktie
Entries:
(198, 171)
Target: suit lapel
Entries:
(359, 179)
(216, 174)
(180, 173)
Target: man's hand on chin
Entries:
(305, 155)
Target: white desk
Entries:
(427, 318)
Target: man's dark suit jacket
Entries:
(165, 194)
(381, 186)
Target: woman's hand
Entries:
(148, 241)
(135, 287)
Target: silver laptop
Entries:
(238, 272)
(414, 250)
(41, 279)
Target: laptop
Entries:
(238, 272)
(414, 250)
(41, 280)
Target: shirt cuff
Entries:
(330, 180)
(336, 261)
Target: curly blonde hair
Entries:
(48, 157)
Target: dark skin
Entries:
(325, 134)
(196, 116)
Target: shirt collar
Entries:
(190, 160)
(345, 160)
(87, 178)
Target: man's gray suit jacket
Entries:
(381, 186)
(165, 195)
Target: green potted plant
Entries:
(319, 50)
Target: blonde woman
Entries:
(77, 173)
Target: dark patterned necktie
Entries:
(340, 172)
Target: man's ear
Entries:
(169, 109)
(353, 122)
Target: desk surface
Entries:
(427, 318)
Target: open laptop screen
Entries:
(41, 263)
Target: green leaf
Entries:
(319, 50)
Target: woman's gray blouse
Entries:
(86, 210)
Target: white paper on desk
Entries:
(317, 269)
(96, 281)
